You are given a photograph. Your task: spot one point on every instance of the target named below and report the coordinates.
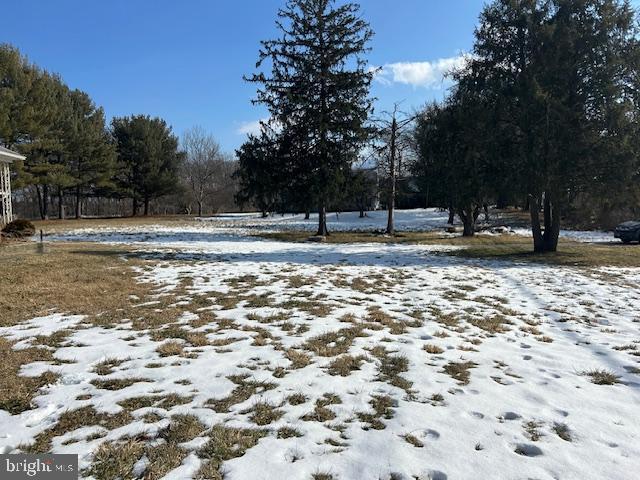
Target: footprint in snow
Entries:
(527, 450)
(431, 434)
(509, 416)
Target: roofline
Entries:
(9, 155)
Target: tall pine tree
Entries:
(317, 93)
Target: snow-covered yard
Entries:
(352, 361)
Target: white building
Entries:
(7, 157)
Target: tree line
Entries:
(73, 155)
(543, 116)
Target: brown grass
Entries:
(382, 407)
(432, 349)
(72, 420)
(182, 428)
(116, 460)
(71, 278)
(459, 371)
(244, 390)
(345, 364)
(602, 377)
(17, 392)
(224, 444)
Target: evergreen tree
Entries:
(317, 93)
(90, 151)
(148, 158)
(560, 70)
(260, 182)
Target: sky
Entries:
(184, 60)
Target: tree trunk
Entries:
(135, 206)
(452, 215)
(361, 212)
(307, 215)
(547, 240)
(78, 202)
(199, 208)
(551, 224)
(60, 204)
(536, 230)
(40, 206)
(322, 221)
(392, 174)
(468, 217)
(45, 202)
(146, 206)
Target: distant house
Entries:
(6, 158)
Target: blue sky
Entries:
(184, 60)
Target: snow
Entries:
(559, 322)
(243, 224)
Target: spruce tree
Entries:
(148, 158)
(560, 71)
(90, 150)
(317, 93)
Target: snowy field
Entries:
(243, 224)
(353, 361)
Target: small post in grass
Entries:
(41, 243)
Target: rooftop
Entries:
(8, 156)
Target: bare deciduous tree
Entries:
(204, 166)
(392, 143)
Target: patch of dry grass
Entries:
(72, 278)
(116, 460)
(345, 364)
(224, 444)
(497, 247)
(117, 383)
(432, 349)
(16, 391)
(244, 390)
(263, 413)
(413, 440)
(334, 343)
(297, 358)
(321, 413)
(382, 407)
(459, 371)
(288, 432)
(106, 366)
(182, 428)
(170, 348)
(602, 377)
(72, 420)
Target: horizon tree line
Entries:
(72, 153)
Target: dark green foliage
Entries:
(19, 229)
(560, 72)
(60, 131)
(544, 113)
(317, 96)
(260, 179)
(148, 158)
(454, 160)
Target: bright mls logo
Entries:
(50, 467)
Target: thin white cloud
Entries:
(420, 74)
(249, 128)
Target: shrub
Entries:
(19, 229)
